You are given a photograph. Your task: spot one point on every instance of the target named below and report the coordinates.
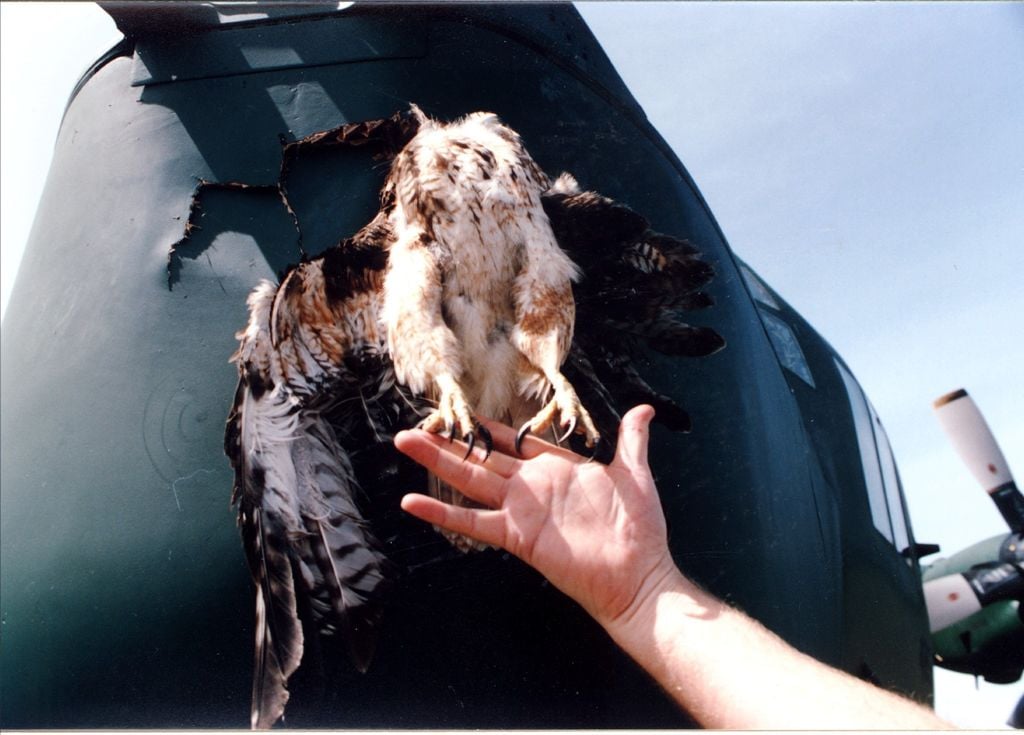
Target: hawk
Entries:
(480, 288)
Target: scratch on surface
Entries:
(174, 485)
(220, 281)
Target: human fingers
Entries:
(634, 435)
(446, 460)
(532, 446)
(492, 458)
(487, 526)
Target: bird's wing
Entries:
(312, 370)
(635, 284)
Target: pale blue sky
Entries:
(865, 159)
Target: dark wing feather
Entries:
(348, 574)
(635, 284)
(635, 280)
(279, 640)
(311, 372)
(272, 562)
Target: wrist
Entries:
(665, 580)
(667, 629)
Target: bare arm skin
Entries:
(598, 534)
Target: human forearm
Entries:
(597, 533)
(729, 671)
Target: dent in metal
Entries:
(387, 136)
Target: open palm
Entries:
(595, 531)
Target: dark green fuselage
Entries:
(125, 595)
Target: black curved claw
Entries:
(470, 439)
(450, 428)
(569, 431)
(520, 435)
(485, 437)
(594, 449)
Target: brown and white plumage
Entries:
(309, 346)
(456, 301)
(478, 300)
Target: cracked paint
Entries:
(388, 135)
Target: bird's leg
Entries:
(545, 315)
(454, 417)
(563, 410)
(545, 351)
(424, 350)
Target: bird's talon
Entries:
(485, 436)
(470, 439)
(569, 431)
(520, 435)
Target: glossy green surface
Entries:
(125, 597)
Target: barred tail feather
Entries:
(349, 572)
(312, 558)
(279, 641)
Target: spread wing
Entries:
(317, 404)
(313, 374)
(316, 390)
(636, 283)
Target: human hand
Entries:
(597, 532)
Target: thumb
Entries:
(634, 433)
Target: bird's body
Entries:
(478, 302)
(456, 301)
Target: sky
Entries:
(866, 159)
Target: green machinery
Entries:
(125, 595)
(974, 597)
